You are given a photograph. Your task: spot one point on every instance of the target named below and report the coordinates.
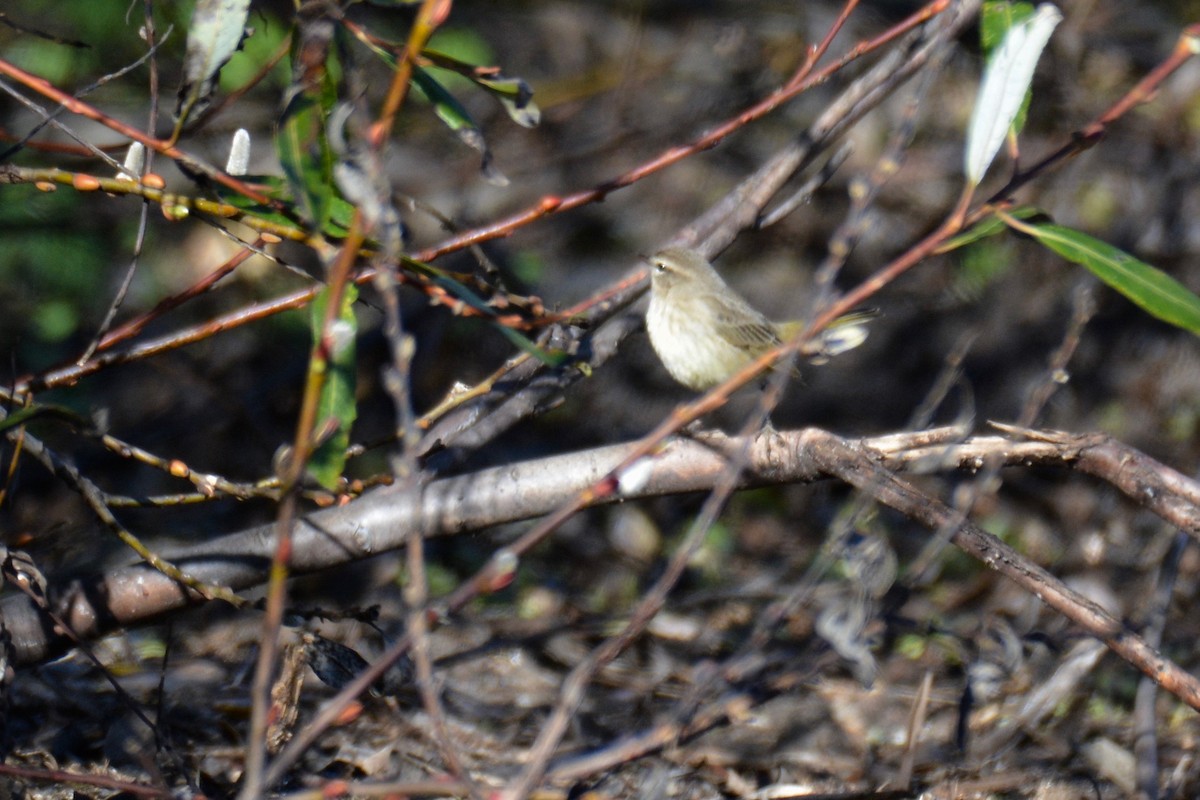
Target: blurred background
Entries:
(617, 83)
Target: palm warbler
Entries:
(704, 332)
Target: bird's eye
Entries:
(659, 266)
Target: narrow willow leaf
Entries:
(551, 358)
(987, 227)
(302, 138)
(513, 93)
(337, 408)
(1153, 290)
(1005, 83)
(445, 105)
(26, 414)
(214, 34)
(452, 112)
(307, 159)
(337, 225)
(457, 290)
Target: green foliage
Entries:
(457, 53)
(987, 227)
(306, 159)
(49, 279)
(711, 559)
(337, 221)
(107, 35)
(338, 403)
(303, 143)
(1148, 287)
(55, 320)
(455, 66)
(442, 279)
(996, 19)
(912, 646)
(447, 108)
(24, 415)
(528, 266)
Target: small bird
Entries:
(704, 332)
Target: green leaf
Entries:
(513, 93)
(987, 227)
(336, 226)
(996, 19)
(445, 105)
(26, 414)
(980, 266)
(301, 139)
(336, 356)
(452, 112)
(460, 44)
(307, 159)
(1150, 288)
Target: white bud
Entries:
(135, 160)
(239, 153)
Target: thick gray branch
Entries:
(381, 520)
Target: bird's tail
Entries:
(844, 333)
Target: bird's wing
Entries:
(741, 325)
